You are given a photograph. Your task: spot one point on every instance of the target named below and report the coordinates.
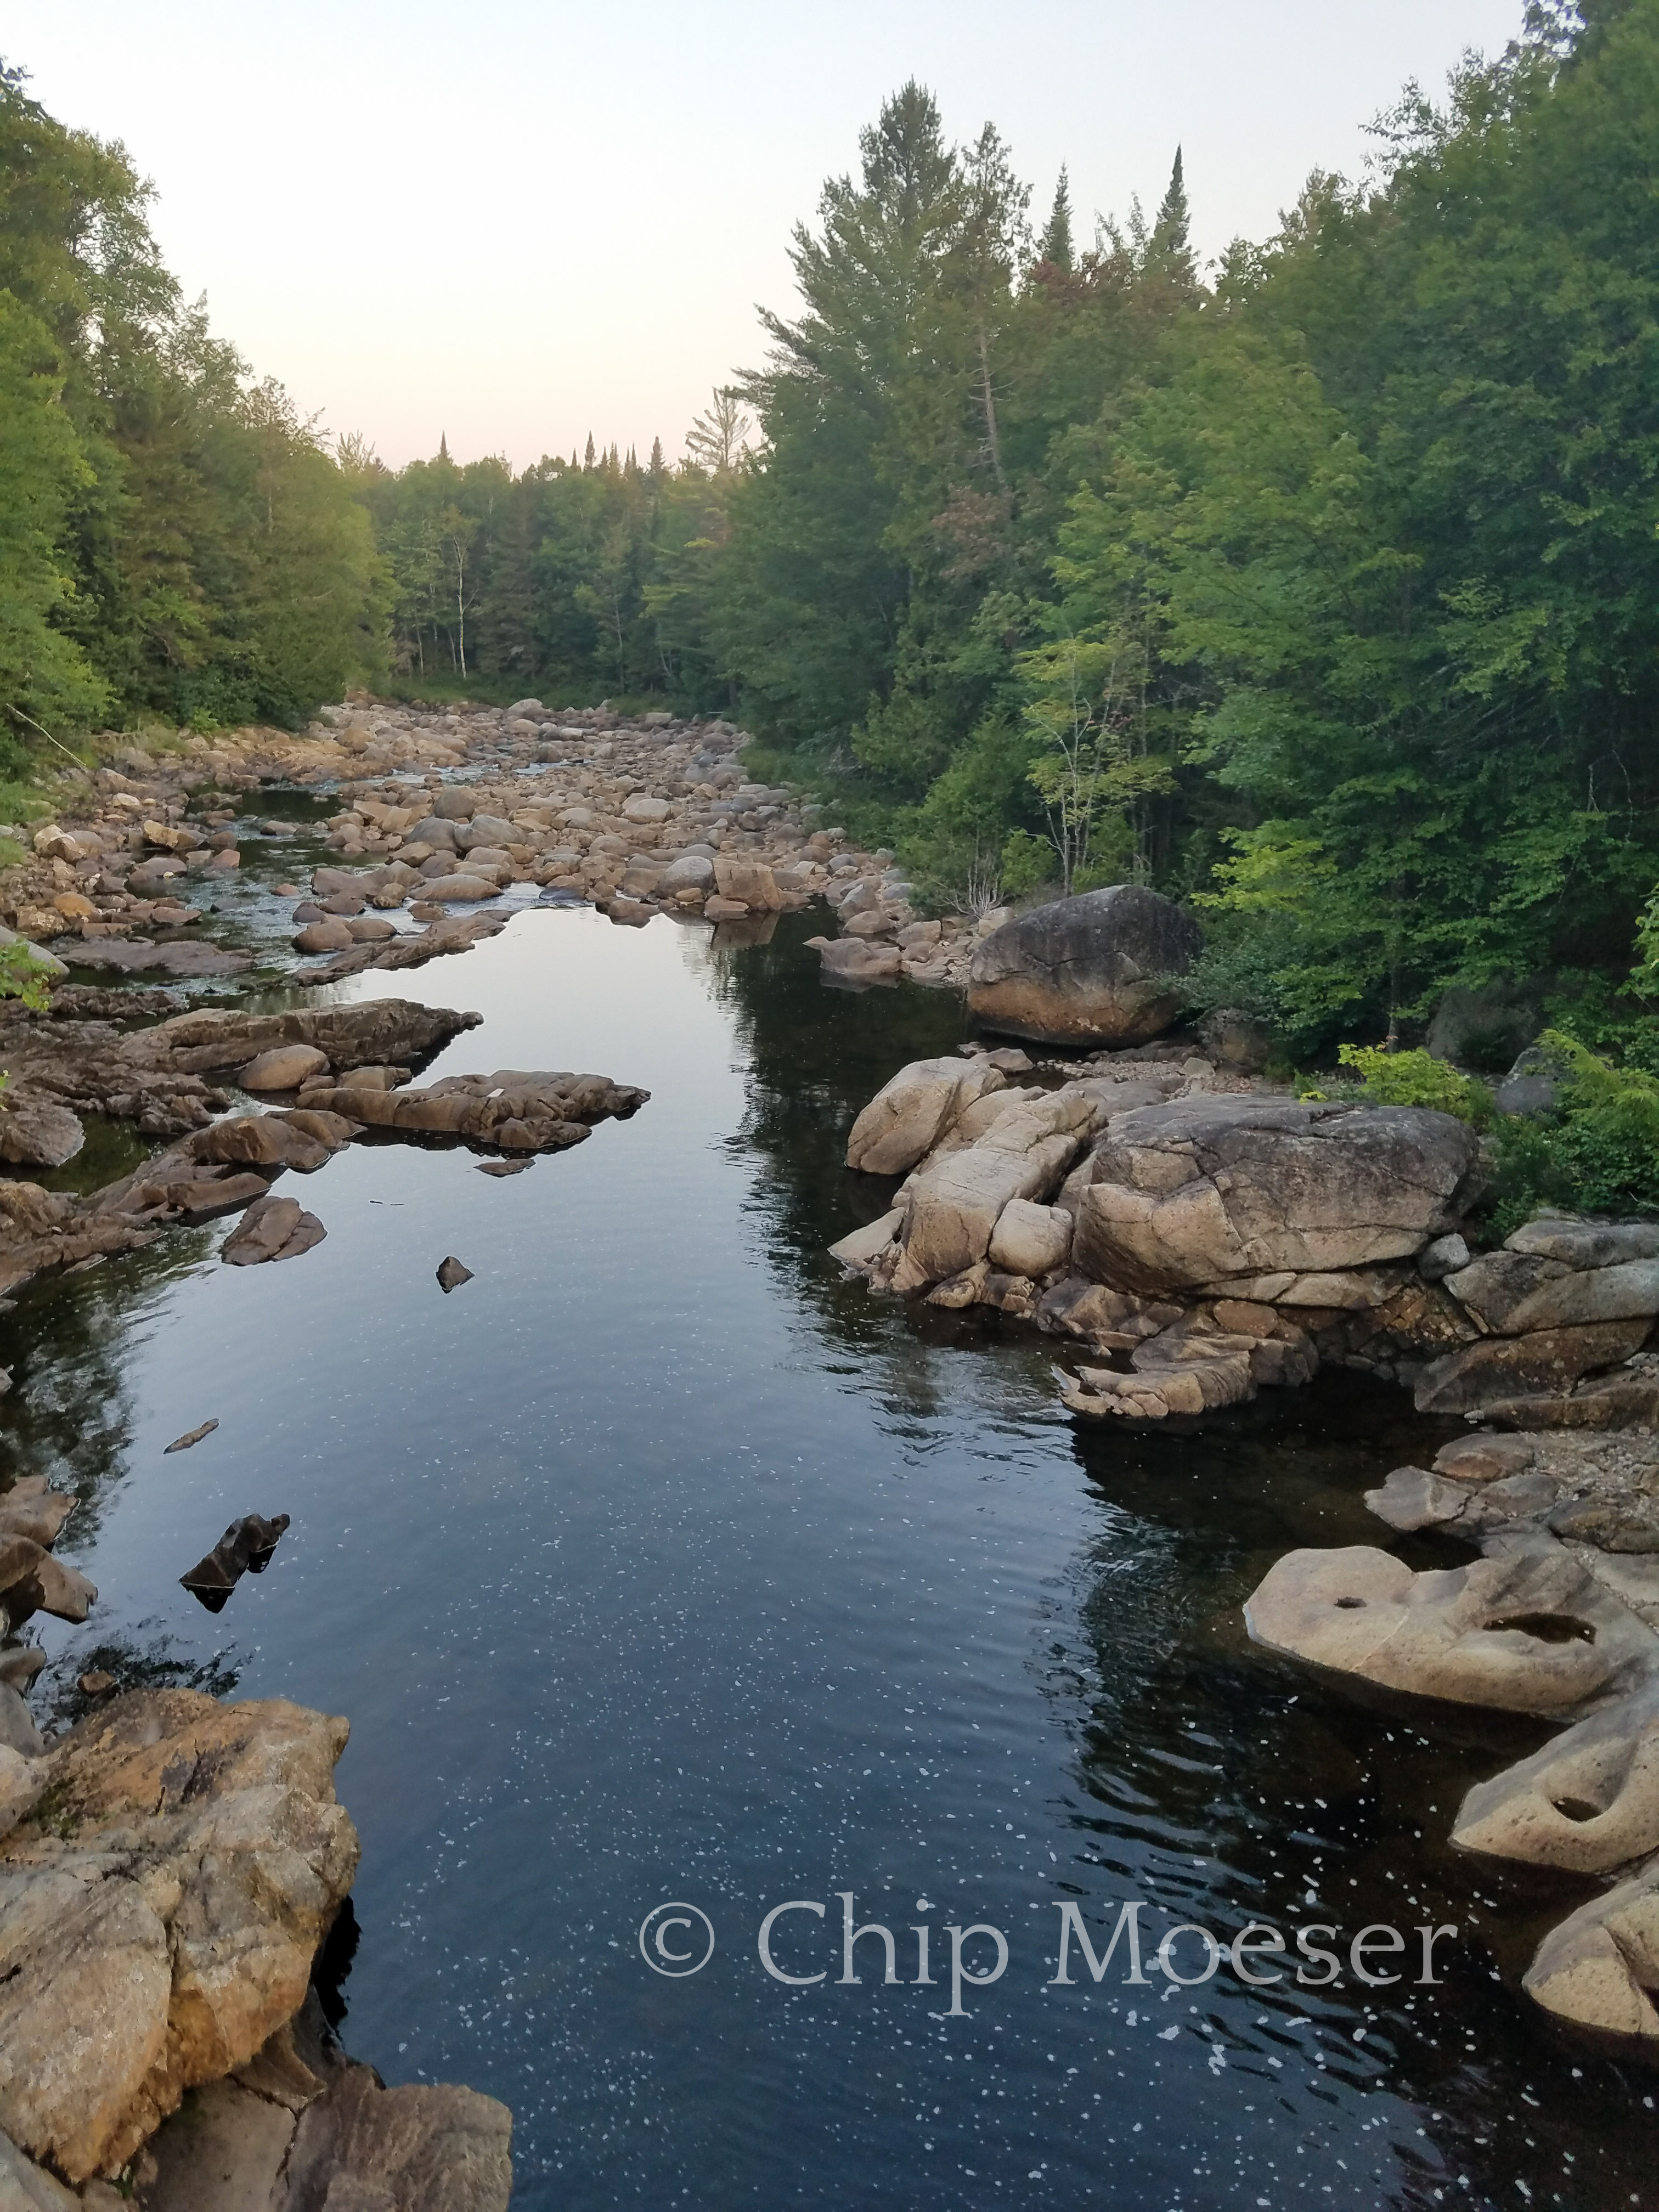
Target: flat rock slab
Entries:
(135, 955)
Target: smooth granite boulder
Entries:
(1210, 1188)
(1093, 969)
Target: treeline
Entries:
(579, 578)
(1320, 586)
(174, 541)
(1324, 591)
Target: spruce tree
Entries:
(1171, 231)
(1056, 246)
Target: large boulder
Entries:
(914, 1109)
(156, 1932)
(1208, 1189)
(1599, 1968)
(1093, 969)
(957, 1199)
(1528, 1630)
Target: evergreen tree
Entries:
(1170, 245)
(1056, 246)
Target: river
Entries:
(657, 1564)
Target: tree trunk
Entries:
(988, 400)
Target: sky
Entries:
(515, 222)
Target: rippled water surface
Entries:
(659, 1563)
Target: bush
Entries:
(1598, 1153)
(1413, 1078)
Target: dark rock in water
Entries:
(244, 1548)
(555, 896)
(504, 1167)
(1094, 969)
(272, 1229)
(191, 1436)
(451, 1274)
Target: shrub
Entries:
(1413, 1078)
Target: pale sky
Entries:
(519, 220)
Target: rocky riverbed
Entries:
(1185, 1237)
(439, 815)
(1191, 1238)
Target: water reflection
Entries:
(663, 1563)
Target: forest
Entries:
(1318, 586)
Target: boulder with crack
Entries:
(954, 1203)
(1093, 970)
(160, 1912)
(914, 1109)
(1206, 1191)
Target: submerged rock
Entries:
(190, 1436)
(272, 1229)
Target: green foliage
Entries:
(1598, 1153)
(22, 976)
(1329, 594)
(1413, 1078)
(174, 538)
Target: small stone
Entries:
(504, 1167)
(451, 1274)
(1446, 1256)
(190, 1436)
(94, 1683)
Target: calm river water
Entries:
(657, 1564)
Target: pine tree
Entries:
(1056, 247)
(1171, 242)
(588, 457)
(658, 468)
(443, 447)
